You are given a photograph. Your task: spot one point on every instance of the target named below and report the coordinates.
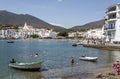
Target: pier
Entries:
(104, 46)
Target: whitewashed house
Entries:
(26, 32)
(95, 34)
(71, 34)
(76, 34)
(2, 33)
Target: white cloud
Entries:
(56, 24)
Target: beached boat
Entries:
(33, 66)
(86, 58)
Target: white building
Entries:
(26, 32)
(95, 34)
(76, 34)
(112, 23)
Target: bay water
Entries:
(55, 55)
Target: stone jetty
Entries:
(104, 46)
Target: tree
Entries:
(63, 33)
(34, 36)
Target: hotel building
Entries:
(112, 24)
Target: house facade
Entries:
(112, 24)
(95, 34)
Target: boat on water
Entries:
(79, 43)
(86, 58)
(74, 44)
(10, 41)
(33, 66)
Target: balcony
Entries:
(113, 15)
(111, 30)
(112, 8)
(111, 20)
(111, 12)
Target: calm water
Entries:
(56, 56)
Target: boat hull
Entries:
(10, 41)
(27, 67)
(74, 45)
(88, 58)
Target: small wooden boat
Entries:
(34, 66)
(88, 58)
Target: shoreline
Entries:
(90, 75)
(41, 39)
(78, 74)
(93, 75)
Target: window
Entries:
(111, 26)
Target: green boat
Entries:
(33, 66)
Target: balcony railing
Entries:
(110, 29)
(114, 19)
(112, 16)
(112, 9)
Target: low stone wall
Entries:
(106, 46)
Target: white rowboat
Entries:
(88, 58)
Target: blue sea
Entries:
(55, 55)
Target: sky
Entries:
(66, 13)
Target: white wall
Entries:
(117, 34)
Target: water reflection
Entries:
(17, 74)
(115, 55)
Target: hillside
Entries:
(91, 25)
(19, 19)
